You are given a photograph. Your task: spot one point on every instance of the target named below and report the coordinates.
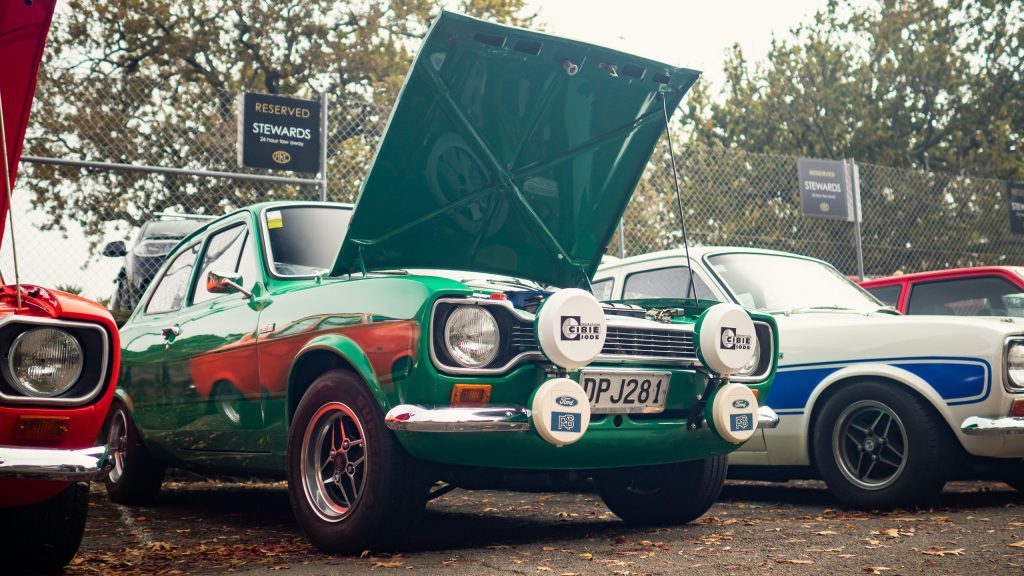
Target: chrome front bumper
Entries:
(978, 426)
(50, 464)
(491, 419)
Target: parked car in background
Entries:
(980, 291)
(308, 340)
(885, 408)
(61, 359)
(156, 239)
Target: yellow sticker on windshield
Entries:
(274, 219)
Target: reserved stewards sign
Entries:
(824, 189)
(1015, 200)
(278, 133)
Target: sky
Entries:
(693, 34)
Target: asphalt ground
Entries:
(210, 527)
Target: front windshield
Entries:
(305, 240)
(784, 283)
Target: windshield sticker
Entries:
(274, 219)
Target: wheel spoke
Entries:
(877, 420)
(867, 474)
(885, 460)
(888, 425)
(898, 453)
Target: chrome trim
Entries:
(268, 256)
(771, 355)
(1008, 384)
(49, 464)
(17, 382)
(612, 321)
(447, 419)
(58, 400)
(767, 419)
(978, 426)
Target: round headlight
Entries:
(749, 368)
(45, 362)
(471, 336)
(1015, 364)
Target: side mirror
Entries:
(226, 283)
(115, 249)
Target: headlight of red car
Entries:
(45, 362)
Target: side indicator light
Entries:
(1017, 408)
(471, 394)
(498, 296)
(41, 427)
(757, 396)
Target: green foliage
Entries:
(69, 288)
(905, 83)
(154, 82)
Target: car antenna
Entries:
(10, 211)
(679, 201)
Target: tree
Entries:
(153, 82)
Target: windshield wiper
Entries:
(513, 281)
(800, 309)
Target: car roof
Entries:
(696, 253)
(935, 274)
(170, 228)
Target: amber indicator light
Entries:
(41, 427)
(471, 394)
(1017, 408)
(756, 395)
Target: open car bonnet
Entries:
(509, 152)
(23, 28)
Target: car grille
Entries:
(622, 341)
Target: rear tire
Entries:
(352, 486)
(42, 538)
(879, 445)
(136, 477)
(666, 494)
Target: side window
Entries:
(222, 252)
(889, 295)
(980, 296)
(603, 289)
(248, 265)
(169, 293)
(664, 283)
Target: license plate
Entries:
(625, 392)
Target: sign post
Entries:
(279, 133)
(1015, 202)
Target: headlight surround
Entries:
(1015, 364)
(472, 336)
(755, 361)
(45, 362)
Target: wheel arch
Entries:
(329, 352)
(851, 376)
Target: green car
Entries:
(443, 329)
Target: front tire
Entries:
(42, 538)
(352, 486)
(666, 494)
(879, 445)
(136, 476)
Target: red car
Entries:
(61, 358)
(980, 291)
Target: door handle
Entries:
(171, 331)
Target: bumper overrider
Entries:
(559, 410)
(55, 464)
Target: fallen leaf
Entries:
(826, 533)
(543, 568)
(391, 564)
(940, 552)
(887, 532)
(788, 561)
(876, 569)
(1017, 544)
(587, 556)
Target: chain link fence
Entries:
(66, 214)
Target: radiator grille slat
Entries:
(620, 341)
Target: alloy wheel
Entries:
(333, 464)
(117, 441)
(869, 442)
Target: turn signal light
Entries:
(757, 396)
(41, 427)
(1017, 408)
(471, 394)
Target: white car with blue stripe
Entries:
(885, 408)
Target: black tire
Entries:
(666, 494)
(122, 297)
(136, 477)
(879, 445)
(392, 486)
(42, 538)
